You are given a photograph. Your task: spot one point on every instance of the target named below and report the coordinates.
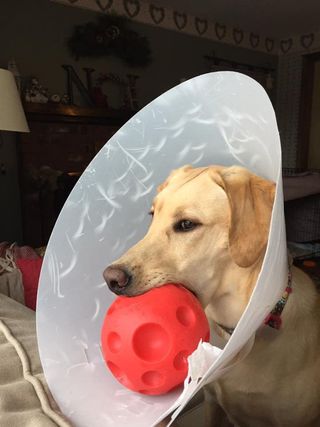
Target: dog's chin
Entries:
(119, 291)
(129, 291)
(134, 291)
(125, 291)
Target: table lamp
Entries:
(12, 117)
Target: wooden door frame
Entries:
(307, 83)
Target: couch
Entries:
(25, 400)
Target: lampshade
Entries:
(12, 116)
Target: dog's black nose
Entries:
(117, 278)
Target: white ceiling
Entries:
(274, 18)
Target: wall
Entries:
(314, 152)
(34, 33)
(288, 105)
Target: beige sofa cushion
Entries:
(25, 400)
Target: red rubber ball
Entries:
(146, 339)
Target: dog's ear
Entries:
(174, 174)
(251, 200)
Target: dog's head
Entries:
(204, 222)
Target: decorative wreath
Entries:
(110, 36)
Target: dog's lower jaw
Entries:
(139, 287)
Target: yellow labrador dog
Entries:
(209, 232)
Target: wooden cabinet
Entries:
(61, 143)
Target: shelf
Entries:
(51, 112)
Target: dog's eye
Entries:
(185, 225)
(151, 213)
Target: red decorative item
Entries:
(147, 339)
(98, 97)
(30, 269)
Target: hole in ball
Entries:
(116, 371)
(185, 316)
(114, 342)
(180, 362)
(151, 342)
(119, 374)
(152, 378)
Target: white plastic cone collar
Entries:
(217, 118)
